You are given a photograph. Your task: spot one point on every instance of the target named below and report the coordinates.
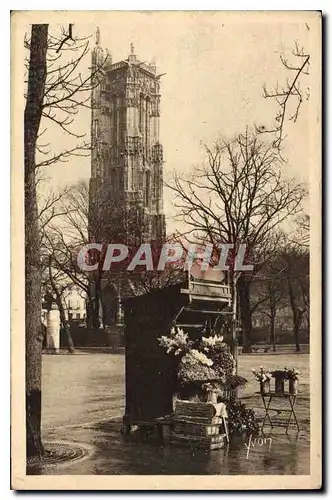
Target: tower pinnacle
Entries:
(97, 36)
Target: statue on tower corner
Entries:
(132, 57)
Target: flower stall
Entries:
(179, 365)
(169, 334)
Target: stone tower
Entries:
(126, 166)
(127, 157)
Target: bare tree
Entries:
(82, 219)
(55, 92)
(296, 273)
(302, 231)
(33, 335)
(103, 220)
(269, 287)
(66, 92)
(54, 286)
(239, 196)
(64, 234)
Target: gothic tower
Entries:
(127, 157)
(126, 166)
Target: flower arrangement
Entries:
(292, 374)
(262, 375)
(210, 342)
(219, 352)
(193, 367)
(177, 342)
(207, 358)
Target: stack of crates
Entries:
(200, 425)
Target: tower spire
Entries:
(132, 49)
(97, 36)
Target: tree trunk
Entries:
(296, 330)
(64, 322)
(103, 309)
(296, 315)
(92, 304)
(95, 314)
(89, 312)
(296, 338)
(234, 344)
(70, 343)
(33, 299)
(95, 302)
(245, 311)
(273, 331)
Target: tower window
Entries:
(141, 114)
(147, 188)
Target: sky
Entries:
(216, 64)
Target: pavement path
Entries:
(83, 402)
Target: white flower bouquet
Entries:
(262, 375)
(205, 359)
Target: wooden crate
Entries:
(197, 425)
(189, 411)
(204, 442)
(196, 428)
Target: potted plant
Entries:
(263, 377)
(293, 377)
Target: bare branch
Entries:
(283, 96)
(68, 37)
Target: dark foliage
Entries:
(240, 419)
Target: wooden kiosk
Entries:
(196, 305)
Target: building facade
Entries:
(75, 304)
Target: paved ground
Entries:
(83, 402)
